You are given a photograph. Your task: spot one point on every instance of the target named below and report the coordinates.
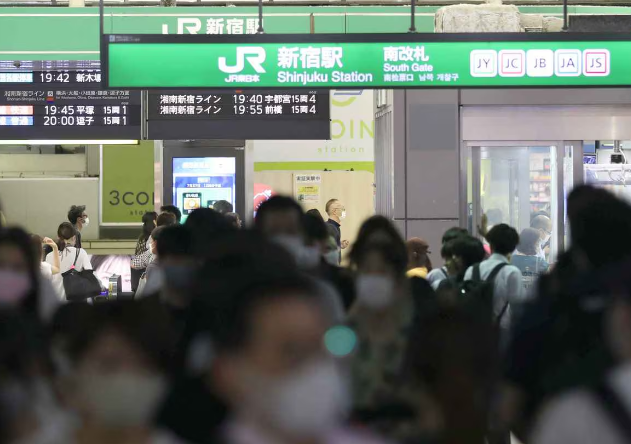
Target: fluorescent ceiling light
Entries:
(68, 142)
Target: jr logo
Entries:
(190, 25)
(255, 55)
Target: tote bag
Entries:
(80, 285)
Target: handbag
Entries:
(80, 285)
(142, 283)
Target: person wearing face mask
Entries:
(337, 213)
(193, 410)
(118, 355)
(69, 255)
(545, 360)
(318, 240)
(527, 257)
(177, 268)
(281, 220)
(79, 219)
(274, 370)
(19, 272)
(600, 413)
(383, 317)
(543, 225)
(29, 409)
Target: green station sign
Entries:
(367, 61)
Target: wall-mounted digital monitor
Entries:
(199, 182)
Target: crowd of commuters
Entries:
(259, 336)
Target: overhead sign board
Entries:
(252, 114)
(367, 61)
(64, 101)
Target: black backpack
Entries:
(479, 292)
(80, 285)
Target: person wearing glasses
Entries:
(79, 219)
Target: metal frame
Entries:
(556, 190)
(107, 39)
(472, 149)
(205, 148)
(367, 38)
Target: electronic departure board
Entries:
(64, 100)
(236, 114)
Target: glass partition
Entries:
(523, 184)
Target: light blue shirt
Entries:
(507, 286)
(436, 276)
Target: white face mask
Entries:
(305, 257)
(122, 399)
(310, 402)
(343, 216)
(374, 291)
(14, 286)
(292, 244)
(309, 257)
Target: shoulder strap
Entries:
(476, 277)
(76, 257)
(445, 273)
(616, 410)
(495, 272)
(490, 280)
(501, 315)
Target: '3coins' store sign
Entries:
(367, 61)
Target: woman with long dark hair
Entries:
(383, 317)
(142, 255)
(69, 257)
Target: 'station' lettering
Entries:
(306, 78)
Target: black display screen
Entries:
(239, 104)
(268, 114)
(65, 104)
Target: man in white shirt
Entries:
(582, 416)
(507, 285)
